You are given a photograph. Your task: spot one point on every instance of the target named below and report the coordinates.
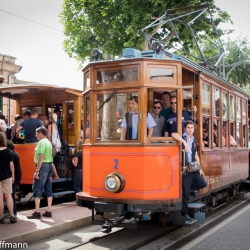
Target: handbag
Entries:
(193, 166)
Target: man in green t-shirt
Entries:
(42, 177)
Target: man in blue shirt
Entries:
(130, 122)
(30, 125)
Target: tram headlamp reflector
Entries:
(111, 182)
(114, 182)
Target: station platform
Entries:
(65, 217)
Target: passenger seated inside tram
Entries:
(206, 136)
(224, 138)
(170, 125)
(130, 122)
(159, 120)
(216, 135)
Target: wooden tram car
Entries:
(45, 98)
(146, 173)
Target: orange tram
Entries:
(45, 98)
(135, 179)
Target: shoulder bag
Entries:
(193, 166)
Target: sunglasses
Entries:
(173, 103)
(157, 107)
(204, 131)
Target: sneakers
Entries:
(189, 219)
(47, 214)
(2, 221)
(34, 216)
(13, 219)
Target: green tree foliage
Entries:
(112, 25)
(238, 51)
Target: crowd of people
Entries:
(46, 133)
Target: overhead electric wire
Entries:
(31, 20)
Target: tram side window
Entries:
(216, 98)
(224, 106)
(232, 116)
(208, 138)
(244, 121)
(112, 110)
(217, 132)
(87, 120)
(206, 99)
(238, 121)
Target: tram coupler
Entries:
(108, 225)
(106, 228)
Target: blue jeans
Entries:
(78, 180)
(14, 198)
(190, 181)
(44, 183)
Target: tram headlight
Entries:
(114, 182)
(111, 182)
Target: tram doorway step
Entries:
(195, 210)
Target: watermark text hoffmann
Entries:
(6, 245)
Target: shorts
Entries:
(6, 186)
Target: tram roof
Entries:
(14, 91)
(173, 57)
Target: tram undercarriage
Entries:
(128, 215)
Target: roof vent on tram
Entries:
(131, 53)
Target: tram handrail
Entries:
(183, 161)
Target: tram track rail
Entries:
(148, 235)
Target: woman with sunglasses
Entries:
(206, 136)
(159, 120)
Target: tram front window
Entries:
(112, 108)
